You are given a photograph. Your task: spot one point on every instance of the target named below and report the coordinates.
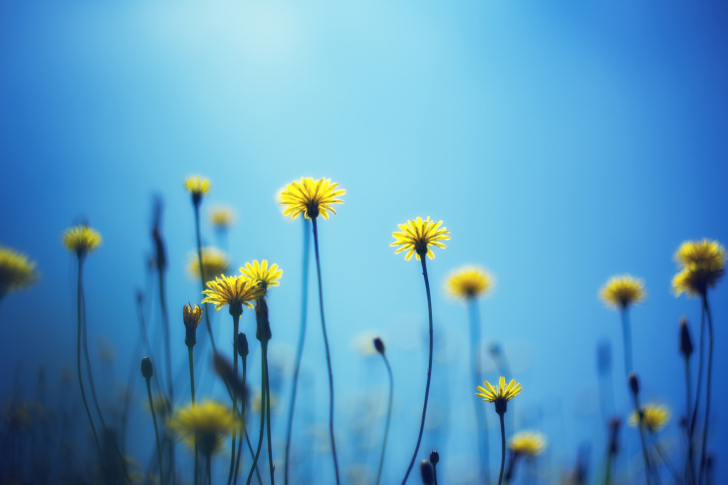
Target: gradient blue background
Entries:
(561, 143)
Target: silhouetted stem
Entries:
(701, 358)
(665, 459)
(475, 370)
(299, 350)
(708, 386)
(429, 369)
(627, 339)
(688, 422)
(192, 391)
(236, 325)
(263, 379)
(202, 275)
(156, 431)
(89, 368)
(389, 417)
(267, 413)
(328, 354)
(503, 447)
(208, 461)
(640, 427)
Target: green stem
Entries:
(701, 358)
(156, 431)
(89, 368)
(263, 379)
(475, 369)
(267, 413)
(389, 416)
(641, 426)
(429, 368)
(608, 473)
(328, 354)
(202, 275)
(708, 386)
(627, 339)
(242, 420)
(236, 325)
(503, 447)
(192, 390)
(299, 350)
(690, 472)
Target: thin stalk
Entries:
(299, 350)
(156, 431)
(503, 447)
(434, 472)
(475, 369)
(665, 459)
(429, 369)
(242, 420)
(192, 391)
(267, 413)
(690, 472)
(701, 358)
(608, 473)
(708, 386)
(78, 354)
(202, 275)
(640, 427)
(389, 417)
(88, 358)
(627, 339)
(328, 354)
(208, 461)
(167, 337)
(236, 325)
(263, 379)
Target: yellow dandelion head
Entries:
(81, 240)
(312, 198)
(622, 291)
(206, 422)
(654, 417)
(261, 274)
(16, 272)
(417, 236)
(528, 443)
(234, 291)
(214, 262)
(469, 282)
(702, 265)
(500, 394)
(222, 216)
(198, 186)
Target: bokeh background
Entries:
(560, 142)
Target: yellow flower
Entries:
(214, 262)
(702, 265)
(310, 198)
(197, 186)
(81, 239)
(191, 317)
(222, 217)
(16, 272)
(417, 236)
(261, 275)
(655, 417)
(622, 291)
(528, 443)
(469, 282)
(207, 422)
(501, 394)
(232, 290)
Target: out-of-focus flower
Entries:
(81, 240)
(469, 282)
(222, 217)
(257, 401)
(198, 187)
(206, 423)
(214, 262)
(528, 443)
(312, 198)
(654, 417)
(622, 291)
(232, 290)
(417, 236)
(162, 406)
(262, 275)
(501, 394)
(16, 272)
(702, 265)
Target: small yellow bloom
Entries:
(622, 291)
(500, 394)
(16, 272)
(261, 275)
(191, 317)
(528, 443)
(702, 265)
(232, 290)
(222, 217)
(207, 422)
(310, 198)
(81, 239)
(214, 262)
(655, 417)
(418, 236)
(469, 282)
(198, 186)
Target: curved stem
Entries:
(707, 386)
(627, 339)
(192, 391)
(299, 350)
(89, 370)
(263, 379)
(429, 369)
(665, 459)
(328, 354)
(476, 376)
(156, 431)
(389, 417)
(267, 413)
(503, 447)
(236, 325)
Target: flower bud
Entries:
(434, 457)
(426, 472)
(634, 383)
(191, 317)
(243, 349)
(262, 332)
(686, 343)
(379, 345)
(147, 368)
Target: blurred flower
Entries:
(214, 262)
(16, 272)
(261, 275)
(232, 290)
(207, 423)
(501, 393)
(702, 265)
(528, 443)
(622, 291)
(469, 282)
(191, 317)
(654, 417)
(222, 216)
(81, 240)
(256, 402)
(162, 406)
(417, 237)
(310, 198)
(197, 186)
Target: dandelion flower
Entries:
(310, 198)
(191, 316)
(16, 272)
(262, 275)
(198, 186)
(702, 265)
(528, 443)
(469, 282)
(622, 291)
(81, 240)
(206, 423)
(214, 262)
(418, 236)
(654, 417)
(222, 217)
(501, 392)
(232, 290)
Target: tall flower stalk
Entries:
(686, 349)
(620, 293)
(191, 318)
(635, 388)
(148, 372)
(243, 351)
(379, 346)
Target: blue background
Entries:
(560, 142)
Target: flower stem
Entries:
(641, 428)
(299, 350)
(167, 337)
(627, 339)
(429, 369)
(263, 379)
(236, 325)
(192, 391)
(665, 459)
(202, 275)
(707, 385)
(701, 358)
(328, 354)
(476, 373)
(242, 420)
(89, 369)
(208, 462)
(267, 413)
(156, 431)
(389, 417)
(503, 447)
(690, 473)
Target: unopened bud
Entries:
(379, 345)
(434, 457)
(634, 383)
(191, 316)
(428, 476)
(147, 368)
(243, 349)
(262, 331)
(686, 343)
